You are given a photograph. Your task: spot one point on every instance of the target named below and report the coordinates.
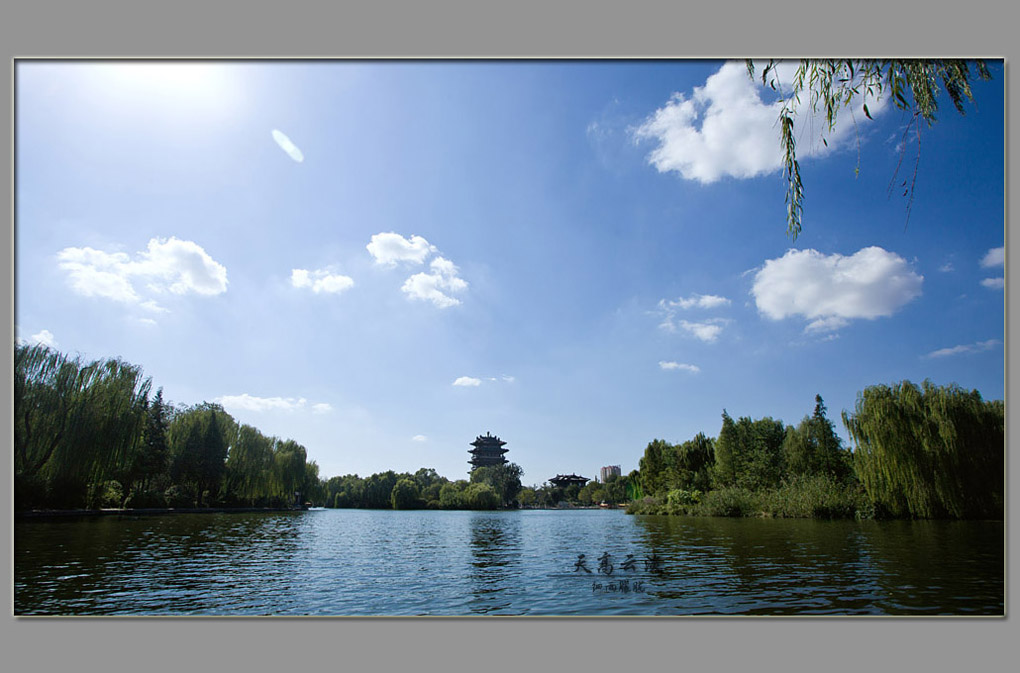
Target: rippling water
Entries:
(371, 562)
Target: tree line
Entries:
(919, 452)
(493, 487)
(91, 434)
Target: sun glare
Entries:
(177, 87)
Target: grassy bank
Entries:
(808, 497)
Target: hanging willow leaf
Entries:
(832, 85)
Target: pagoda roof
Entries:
(487, 439)
(569, 478)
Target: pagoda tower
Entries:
(488, 451)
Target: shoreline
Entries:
(145, 511)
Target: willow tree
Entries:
(694, 460)
(250, 465)
(74, 421)
(289, 470)
(929, 451)
(831, 85)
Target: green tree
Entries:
(728, 463)
(313, 488)
(74, 423)
(451, 495)
(814, 448)
(633, 483)
(929, 451)
(199, 442)
(694, 461)
(831, 85)
(527, 497)
(763, 448)
(377, 490)
(154, 461)
(614, 491)
(480, 496)
(505, 480)
(345, 491)
(653, 466)
(749, 453)
(250, 465)
(405, 495)
(289, 471)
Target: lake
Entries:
(378, 562)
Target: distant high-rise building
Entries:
(488, 451)
(609, 471)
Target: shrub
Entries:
(645, 505)
(145, 499)
(105, 495)
(733, 501)
(176, 496)
(818, 496)
(481, 496)
(681, 497)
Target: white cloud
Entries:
(168, 265)
(390, 248)
(93, 273)
(669, 366)
(831, 290)
(696, 301)
(182, 266)
(148, 321)
(947, 267)
(829, 324)
(467, 381)
(419, 438)
(969, 348)
(708, 331)
(509, 379)
(287, 146)
(433, 286)
(321, 280)
(994, 283)
(322, 408)
(151, 305)
(246, 402)
(994, 257)
(43, 338)
(725, 129)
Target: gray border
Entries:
(384, 28)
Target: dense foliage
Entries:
(492, 487)
(928, 452)
(88, 434)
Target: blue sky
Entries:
(382, 260)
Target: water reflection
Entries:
(496, 552)
(778, 567)
(358, 562)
